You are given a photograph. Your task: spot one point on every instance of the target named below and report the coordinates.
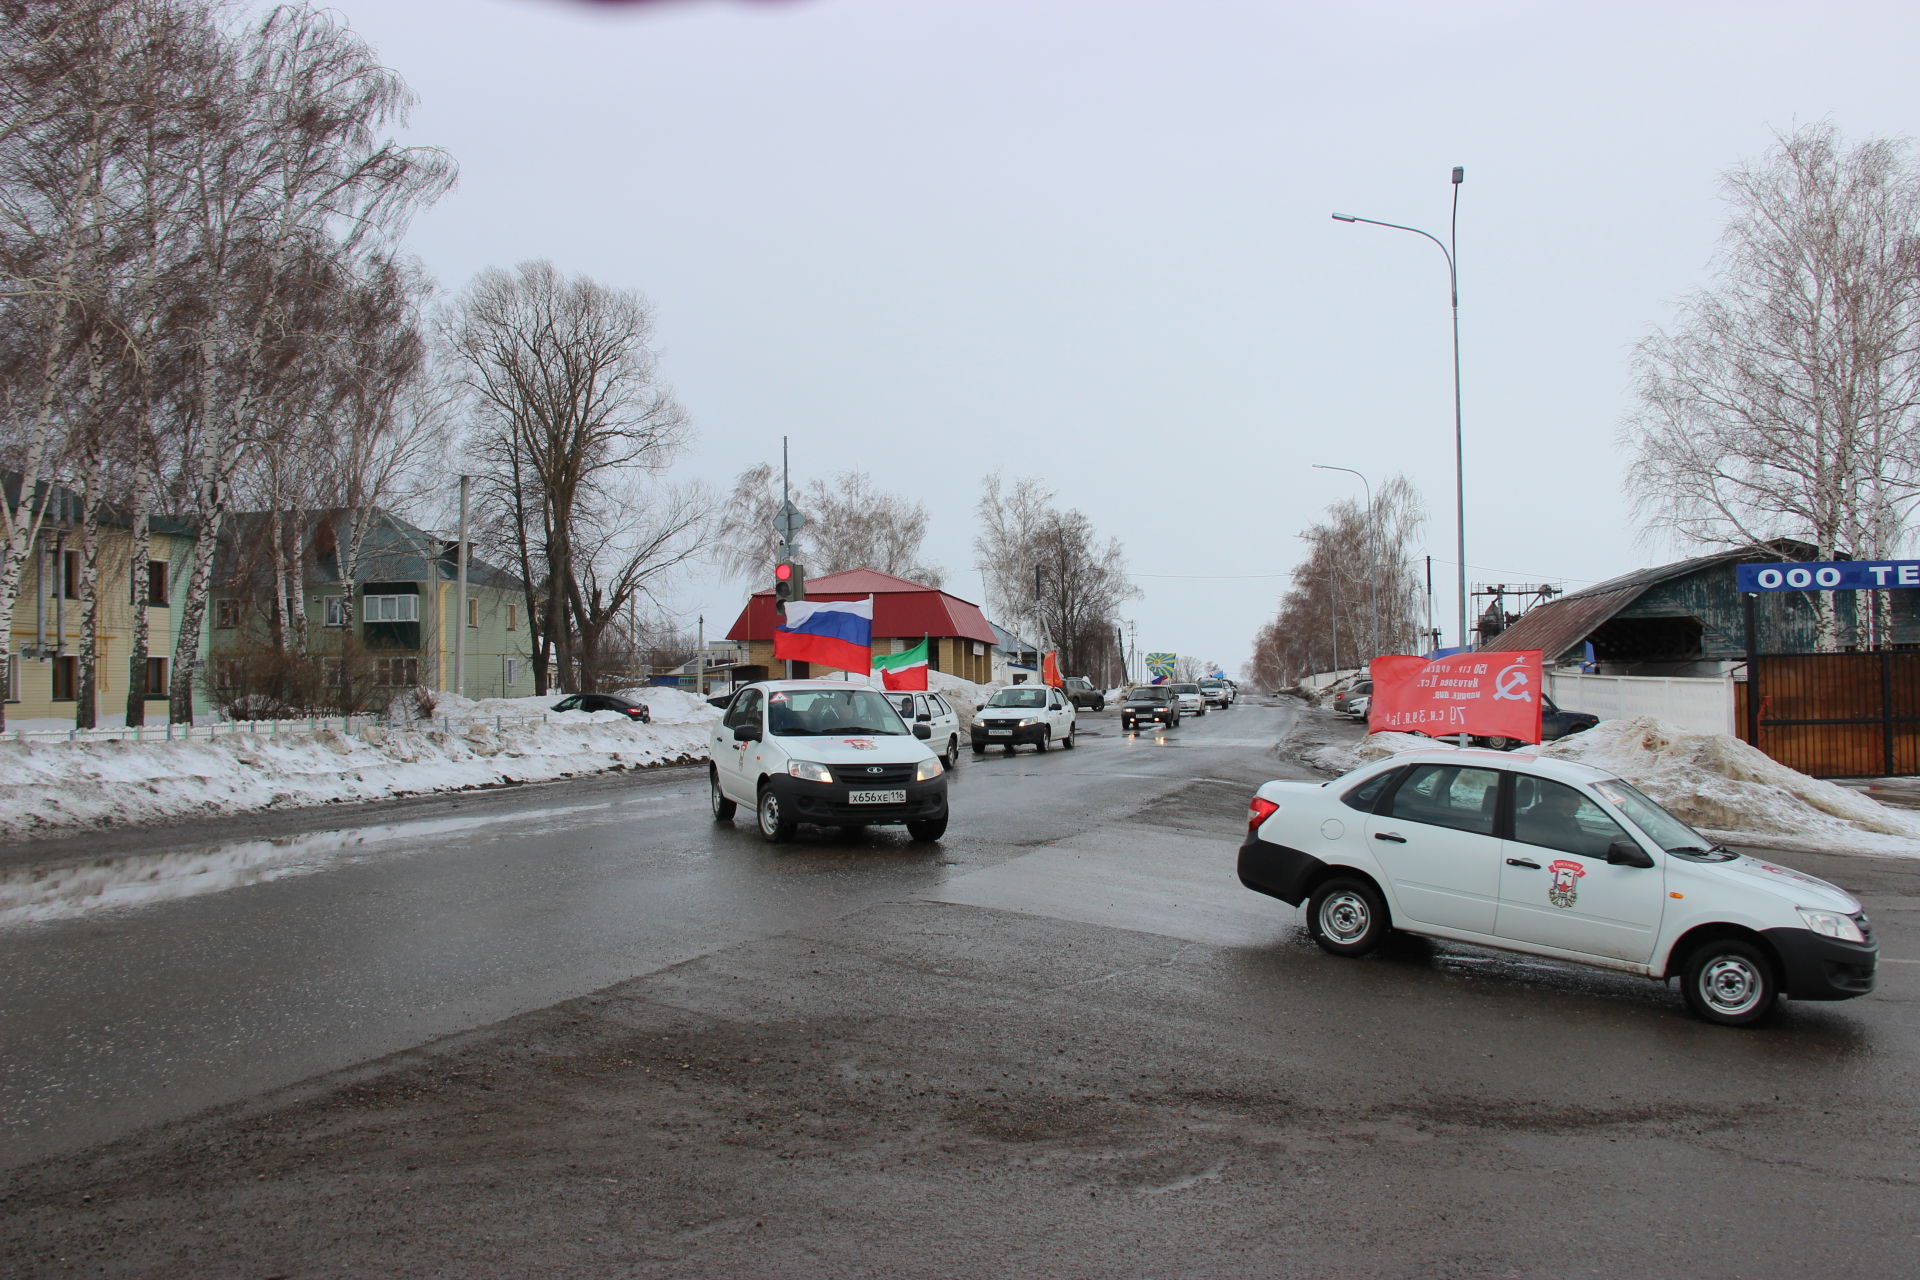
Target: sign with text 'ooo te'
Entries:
(1828, 575)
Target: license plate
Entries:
(876, 797)
(999, 733)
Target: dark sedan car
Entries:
(1148, 705)
(634, 711)
(1554, 723)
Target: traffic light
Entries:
(789, 582)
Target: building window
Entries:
(66, 679)
(473, 612)
(226, 614)
(70, 574)
(391, 608)
(336, 610)
(397, 673)
(978, 648)
(157, 584)
(13, 677)
(513, 671)
(156, 678)
(513, 617)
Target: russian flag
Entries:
(832, 633)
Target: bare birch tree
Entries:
(1785, 400)
(852, 525)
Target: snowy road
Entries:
(229, 967)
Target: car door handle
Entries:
(1389, 836)
(1523, 862)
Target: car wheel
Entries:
(953, 752)
(723, 808)
(775, 825)
(1067, 741)
(929, 829)
(979, 748)
(1730, 982)
(1503, 744)
(1099, 704)
(1042, 744)
(1346, 917)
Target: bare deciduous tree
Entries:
(1049, 570)
(852, 525)
(1783, 401)
(566, 403)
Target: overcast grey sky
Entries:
(1089, 240)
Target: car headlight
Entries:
(929, 770)
(808, 771)
(1031, 721)
(1832, 924)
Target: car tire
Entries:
(1041, 745)
(723, 808)
(1502, 744)
(953, 751)
(1067, 741)
(775, 825)
(979, 748)
(1346, 917)
(1099, 704)
(928, 829)
(1730, 982)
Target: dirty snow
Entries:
(1734, 792)
(48, 787)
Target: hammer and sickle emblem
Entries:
(1511, 684)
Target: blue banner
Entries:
(1828, 575)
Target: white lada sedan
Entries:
(1555, 859)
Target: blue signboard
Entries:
(1828, 575)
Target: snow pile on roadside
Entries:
(1737, 793)
(965, 696)
(1337, 757)
(49, 787)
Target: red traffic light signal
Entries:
(783, 573)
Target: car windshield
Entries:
(1662, 827)
(1021, 697)
(1147, 695)
(799, 713)
(1186, 688)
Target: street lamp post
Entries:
(1373, 557)
(1459, 448)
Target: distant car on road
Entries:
(1150, 704)
(1030, 713)
(1083, 695)
(589, 702)
(1218, 693)
(1192, 701)
(1343, 701)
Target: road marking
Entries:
(1891, 960)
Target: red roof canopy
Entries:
(900, 607)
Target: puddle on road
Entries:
(31, 895)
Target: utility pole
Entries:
(700, 669)
(460, 599)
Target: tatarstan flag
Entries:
(903, 670)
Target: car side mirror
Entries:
(1626, 853)
(746, 733)
(922, 731)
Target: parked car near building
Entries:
(1554, 723)
(1343, 701)
(1083, 695)
(635, 711)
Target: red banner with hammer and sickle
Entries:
(1487, 695)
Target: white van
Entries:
(824, 752)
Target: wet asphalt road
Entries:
(348, 942)
(1062, 1043)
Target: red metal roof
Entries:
(900, 608)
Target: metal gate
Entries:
(1835, 715)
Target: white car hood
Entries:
(1796, 888)
(892, 748)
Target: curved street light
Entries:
(1459, 449)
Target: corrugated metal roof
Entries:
(1563, 624)
(900, 608)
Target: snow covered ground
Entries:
(48, 787)
(1712, 781)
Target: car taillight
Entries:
(1258, 811)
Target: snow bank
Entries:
(49, 787)
(1338, 757)
(1737, 793)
